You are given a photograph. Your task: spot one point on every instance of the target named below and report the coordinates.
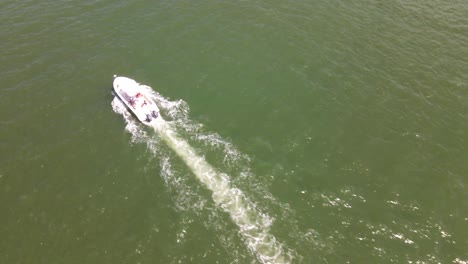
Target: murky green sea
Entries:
(304, 131)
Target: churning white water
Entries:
(254, 225)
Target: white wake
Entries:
(254, 226)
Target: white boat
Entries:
(134, 97)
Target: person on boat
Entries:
(138, 95)
(132, 102)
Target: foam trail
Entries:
(254, 226)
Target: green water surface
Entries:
(348, 121)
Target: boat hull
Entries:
(134, 97)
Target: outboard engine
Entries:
(148, 118)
